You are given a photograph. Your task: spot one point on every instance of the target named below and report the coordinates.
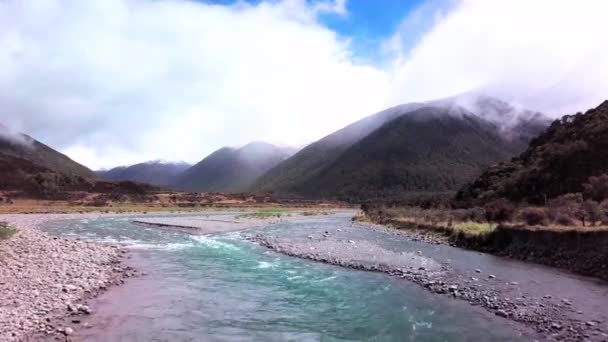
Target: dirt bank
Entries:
(583, 252)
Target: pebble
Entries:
(65, 272)
(502, 313)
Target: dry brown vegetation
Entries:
(14, 202)
(570, 212)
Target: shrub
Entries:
(6, 231)
(564, 220)
(499, 211)
(534, 216)
(597, 188)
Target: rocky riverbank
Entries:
(44, 279)
(549, 316)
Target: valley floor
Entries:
(46, 282)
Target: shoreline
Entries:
(46, 280)
(544, 315)
(85, 269)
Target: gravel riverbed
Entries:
(537, 314)
(45, 279)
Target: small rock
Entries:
(491, 276)
(85, 309)
(501, 313)
(68, 331)
(556, 326)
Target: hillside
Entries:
(32, 169)
(231, 170)
(559, 161)
(25, 147)
(153, 172)
(410, 148)
(428, 150)
(286, 177)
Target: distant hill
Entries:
(231, 170)
(34, 169)
(437, 146)
(152, 172)
(559, 161)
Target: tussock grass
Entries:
(261, 215)
(360, 217)
(474, 228)
(6, 231)
(315, 213)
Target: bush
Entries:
(6, 231)
(564, 220)
(597, 188)
(534, 216)
(499, 211)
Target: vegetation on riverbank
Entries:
(570, 232)
(6, 231)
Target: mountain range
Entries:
(232, 169)
(435, 146)
(420, 147)
(153, 172)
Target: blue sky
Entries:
(366, 19)
(371, 20)
(369, 23)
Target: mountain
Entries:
(25, 147)
(231, 170)
(33, 169)
(559, 161)
(437, 146)
(152, 172)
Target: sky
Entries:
(116, 82)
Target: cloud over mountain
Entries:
(113, 82)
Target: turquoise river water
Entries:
(225, 288)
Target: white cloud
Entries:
(112, 82)
(548, 55)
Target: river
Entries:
(223, 287)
